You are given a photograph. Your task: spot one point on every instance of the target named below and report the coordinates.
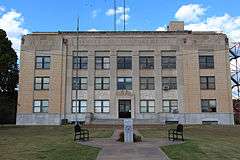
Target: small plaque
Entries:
(128, 130)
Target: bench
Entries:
(173, 134)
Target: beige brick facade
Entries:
(185, 45)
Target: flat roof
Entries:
(127, 32)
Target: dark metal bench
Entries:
(173, 134)
(80, 134)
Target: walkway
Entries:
(149, 149)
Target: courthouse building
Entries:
(153, 77)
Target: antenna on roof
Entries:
(124, 15)
(115, 15)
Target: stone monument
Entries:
(128, 130)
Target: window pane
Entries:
(46, 86)
(38, 86)
(36, 109)
(37, 103)
(98, 109)
(143, 109)
(83, 80)
(120, 79)
(98, 103)
(128, 79)
(174, 103)
(151, 103)
(165, 103)
(75, 109)
(105, 109)
(44, 103)
(166, 109)
(83, 109)
(38, 80)
(44, 109)
(143, 103)
(98, 80)
(105, 103)
(45, 80)
(83, 103)
(75, 103)
(151, 109)
(106, 80)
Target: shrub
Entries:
(136, 138)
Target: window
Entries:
(168, 62)
(79, 106)
(169, 83)
(147, 83)
(206, 62)
(42, 62)
(208, 105)
(40, 106)
(124, 62)
(146, 62)
(170, 106)
(101, 106)
(102, 62)
(41, 83)
(79, 83)
(147, 106)
(102, 83)
(124, 83)
(207, 82)
(80, 62)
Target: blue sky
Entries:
(20, 17)
(54, 15)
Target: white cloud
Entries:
(161, 28)
(190, 12)
(119, 10)
(227, 24)
(11, 22)
(93, 30)
(119, 14)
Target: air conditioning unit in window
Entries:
(165, 87)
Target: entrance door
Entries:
(124, 108)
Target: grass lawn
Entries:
(46, 142)
(202, 142)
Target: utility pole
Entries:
(77, 77)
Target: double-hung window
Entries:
(207, 82)
(146, 62)
(170, 106)
(208, 105)
(79, 106)
(40, 106)
(102, 62)
(102, 83)
(206, 62)
(147, 106)
(169, 83)
(42, 62)
(124, 83)
(79, 83)
(41, 83)
(101, 106)
(147, 83)
(124, 62)
(80, 62)
(168, 62)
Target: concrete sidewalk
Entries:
(149, 149)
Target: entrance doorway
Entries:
(124, 110)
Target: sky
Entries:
(20, 17)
